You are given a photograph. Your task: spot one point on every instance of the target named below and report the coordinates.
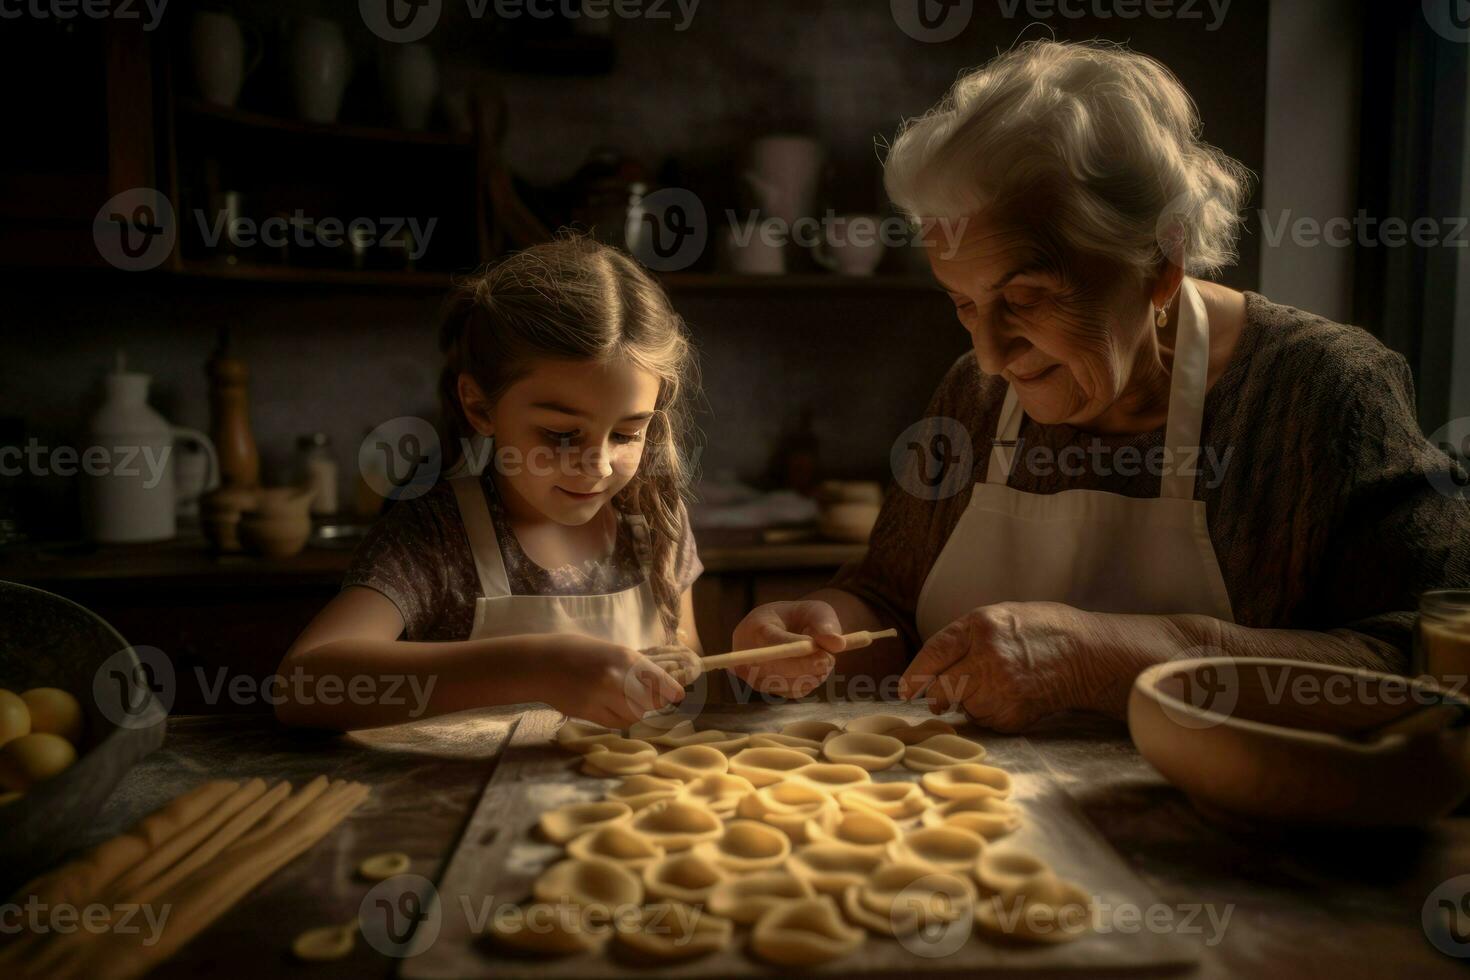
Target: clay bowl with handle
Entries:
(1261, 740)
(48, 641)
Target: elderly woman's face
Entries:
(1067, 339)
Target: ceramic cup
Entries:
(851, 245)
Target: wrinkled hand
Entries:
(603, 682)
(783, 622)
(1012, 663)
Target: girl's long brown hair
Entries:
(577, 299)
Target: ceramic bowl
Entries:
(274, 537)
(48, 641)
(1280, 741)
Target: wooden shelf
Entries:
(691, 281)
(376, 134)
(247, 272)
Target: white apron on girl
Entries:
(1098, 551)
(629, 618)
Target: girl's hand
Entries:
(783, 622)
(603, 682)
(1012, 663)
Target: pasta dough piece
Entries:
(674, 931)
(868, 829)
(681, 663)
(325, 943)
(831, 867)
(804, 933)
(617, 756)
(547, 930)
(815, 731)
(641, 790)
(896, 800)
(682, 733)
(1000, 871)
(875, 724)
(766, 766)
(15, 717)
(792, 808)
(989, 816)
(746, 898)
(952, 849)
(762, 740)
(940, 751)
(617, 844)
(35, 758)
(967, 781)
(690, 762)
(746, 846)
(565, 822)
(590, 882)
(576, 736)
(381, 867)
(676, 825)
(721, 792)
(686, 878)
(1040, 909)
(928, 728)
(869, 750)
(901, 898)
(832, 777)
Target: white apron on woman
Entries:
(629, 618)
(1093, 550)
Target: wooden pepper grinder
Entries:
(229, 410)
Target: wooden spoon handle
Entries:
(796, 648)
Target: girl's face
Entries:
(1069, 351)
(569, 435)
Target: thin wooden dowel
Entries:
(796, 648)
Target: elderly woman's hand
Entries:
(783, 622)
(1012, 663)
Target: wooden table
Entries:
(1311, 905)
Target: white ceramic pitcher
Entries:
(131, 493)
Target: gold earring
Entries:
(1162, 320)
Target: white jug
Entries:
(128, 465)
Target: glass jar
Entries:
(318, 470)
(1442, 637)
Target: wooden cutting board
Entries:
(499, 857)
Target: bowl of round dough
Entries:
(90, 713)
(1284, 741)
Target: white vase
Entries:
(217, 49)
(410, 84)
(131, 493)
(319, 65)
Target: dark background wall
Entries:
(864, 362)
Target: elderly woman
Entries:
(1144, 464)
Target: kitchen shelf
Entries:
(248, 272)
(375, 134)
(692, 281)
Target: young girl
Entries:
(541, 578)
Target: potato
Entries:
(34, 758)
(15, 717)
(54, 712)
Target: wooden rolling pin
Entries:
(796, 648)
